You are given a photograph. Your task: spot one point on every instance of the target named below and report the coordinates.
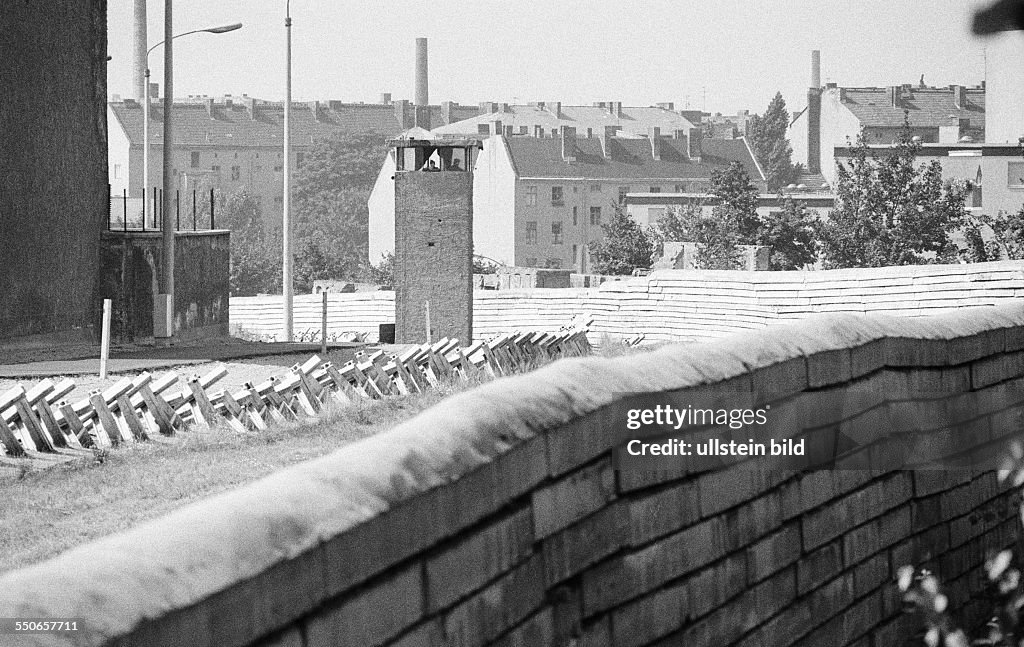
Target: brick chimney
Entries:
(694, 143)
(447, 108)
(895, 95)
(615, 108)
(402, 114)
(250, 107)
(554, 107)
(814, 130)
(606, 140)
(385, 98)
(959, 97)
(654, 135)
(666, 105)
(569, 144)
(538, 131)
(209, 108)
(314, 109)
(487, 107)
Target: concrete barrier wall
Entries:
(495, 518)
(675, 305)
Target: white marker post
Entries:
(105, 341)
(323, 326)
(426, 307)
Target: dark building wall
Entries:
(53, 164)
(131, 267)
(433, 255)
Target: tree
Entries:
(738, 202)
(332, 186)
(715, 235)
(890, 212)
(767, 135)
(255, 256)
(383, 273)
(625, 247)
(792, 235)
(992, 238)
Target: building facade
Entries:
(233, 143)
(540, 201)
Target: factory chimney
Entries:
(421, 72)
(815, 68)
(139, 47)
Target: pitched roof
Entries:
(927, 107)
(633, 120)
(630, 158)
(261, 123)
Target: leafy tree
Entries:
(739, 201)
(1006, 238)
(255, 253)
(332, 186)
(715, 235)
(792, 235)
(767, 134)
(890, 212)
(383, 273)
(625, 247)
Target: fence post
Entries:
(193, 204)
(108, 206)
(144, 196)
(124, 203)
(105, 340)
(323, 326)
(211, 208)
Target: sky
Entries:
(715, 55)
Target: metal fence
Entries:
(193, 211)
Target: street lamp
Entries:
(145, 112)
(286, 201)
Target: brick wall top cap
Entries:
(186, 556)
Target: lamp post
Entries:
(286, 200)
(145, 98)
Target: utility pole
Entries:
(286, 201)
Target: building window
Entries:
(556, 233)
(195, 159)
(531, 232)
(655, 189)
(530, 262)
(680, 188)
(483, 129)
(236, 172)
(524, 130)
(556, 196)
(1015, 174)
(531, 196)
(595, 188)
(595, 215)
(623, 190)
(216, 169)
(575, 252)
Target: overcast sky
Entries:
(738, 52)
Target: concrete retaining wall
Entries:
(495, 518)
(676, 305)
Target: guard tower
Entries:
(433, 239)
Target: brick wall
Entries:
(686, 305)
(433, 255)
(130, 265)
(53, 167)
(496, 518)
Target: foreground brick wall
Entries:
(683, 305)
(495, 518)
(53, 166)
